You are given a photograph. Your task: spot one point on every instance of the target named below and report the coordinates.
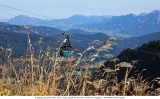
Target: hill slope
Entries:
(145, 57)
(133, 42)
(18, 42)
(15, 36)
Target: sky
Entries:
(57, 9)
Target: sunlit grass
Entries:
(48, 74)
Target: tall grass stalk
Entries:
(47, 74)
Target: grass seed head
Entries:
(96, 41)
(109, 40)
(106, 46)
(96, 55)
(125, 65)
(79, 54)
(108, 70)
(90, 47)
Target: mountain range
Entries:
(142, 28)
(15, 36)
(117, 26)
(11, 37)
(64, 24)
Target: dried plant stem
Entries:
(125, 81)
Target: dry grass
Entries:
(47, 74)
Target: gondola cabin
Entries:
(65, 49)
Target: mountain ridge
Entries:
(145, 58)
(78, 40)
(134, 42)
(129, 24)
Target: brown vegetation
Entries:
(47, 74)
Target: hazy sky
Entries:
(67, 8)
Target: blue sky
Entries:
(67, 8)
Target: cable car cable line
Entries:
(26, 11)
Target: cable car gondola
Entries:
(65, 49)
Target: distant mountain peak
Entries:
(78, 17)
(155, 12)
(142, 14)
(23, 17)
